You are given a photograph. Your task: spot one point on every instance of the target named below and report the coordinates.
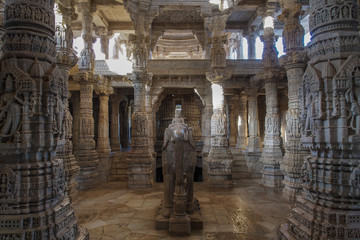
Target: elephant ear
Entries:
(166, 138)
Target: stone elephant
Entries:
(178, 176)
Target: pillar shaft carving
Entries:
(329, 103)
(242, 139)
(32, 128)
(294, 63)
(114, 128)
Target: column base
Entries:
(59, 222)
(292, 187)
(88, 160)
(272, 176)
(253, 163)
(71, 173)
(220, 164)
(104, 166)
(220, 180)
(311, 221)
(164, 222)
(140, 173)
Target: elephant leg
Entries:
(190, 192)
(169, 181)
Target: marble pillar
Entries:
(85, 152)
(103, 141)
(328, 207)
(105, 35)
(124, 123)
(271, 74)
(294, 63)
(66, 59)
(242, 138)
(32, 109)
(251, 36)
(253, 121)
(87, 55)
(114, 128)
(140, 159)
(233, 118)
(220, 157)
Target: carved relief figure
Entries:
(60, 114)
(10, 109)
(353, 96)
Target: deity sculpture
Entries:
(179, 210)
(10, 109)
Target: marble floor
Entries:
(248, 211)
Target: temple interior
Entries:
(179, 119)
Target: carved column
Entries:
(32, 111)
(85, 153)
(329, 105)
(103, 141)
(140, 159)
(105, 36)
(242, 138)
(66, 57)
(87, 55)
(294, 63)
(251, 36)
(114, 128)
(124, 123)
(220, 157)
(233, 117)
(253, 121)
(272, 152)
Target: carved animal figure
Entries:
(178, 136)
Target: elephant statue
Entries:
(178, 162)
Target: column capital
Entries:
(296, 59)
(103, 88)
(218, 76)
